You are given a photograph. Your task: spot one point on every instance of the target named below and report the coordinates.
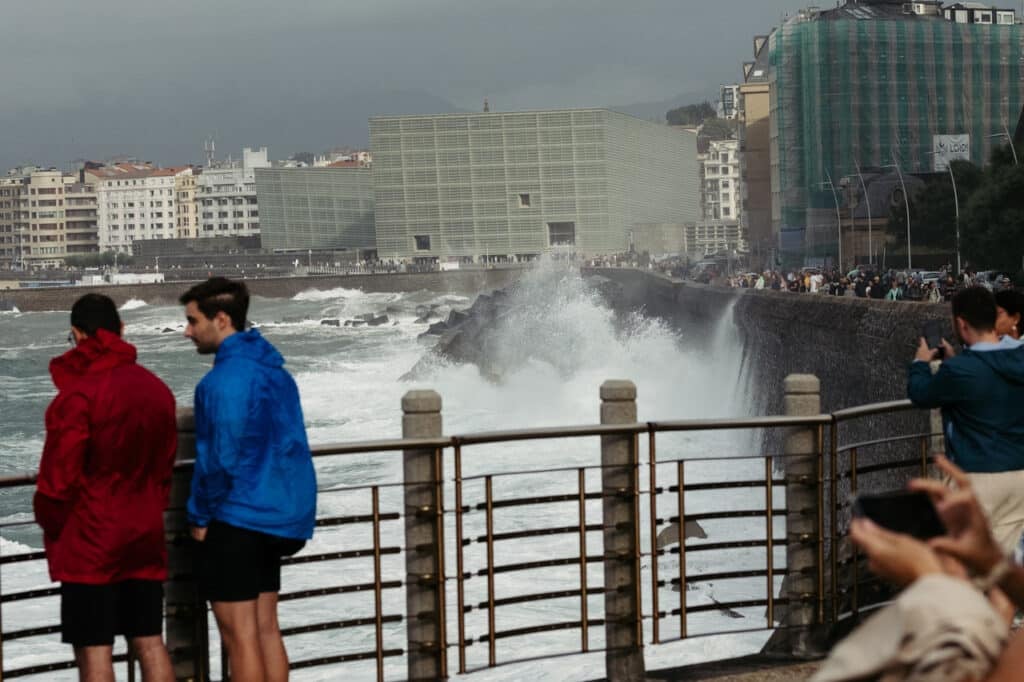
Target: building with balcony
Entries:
(186, 210)
(226, 196)
(45, 216)
(81, 219)
(709, 237)
(721, 189)
(10, 193)
(134, 201)
(877, 83)
(485, 186)
(728, 102)
(316, 208)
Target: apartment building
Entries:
(10, 192)
(134, 201)
(226, 196)
(45, 216)
(186, 210)
(721, 192)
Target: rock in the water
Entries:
(437, 328)
(167, 330)
(331, 323)
(377, 321)
(393, 309)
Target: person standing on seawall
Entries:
(253, 497)
(980, 391)
(104, 482)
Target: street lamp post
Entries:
(867, 202)
(906, 202)
(839, 220)
(956, 207)
(1009, 140)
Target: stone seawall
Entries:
(453, 281)
(859, 348)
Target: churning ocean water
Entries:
(560, 343)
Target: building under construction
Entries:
(905, 86)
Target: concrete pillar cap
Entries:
(618, 390)
(417, 402)
(802, 383)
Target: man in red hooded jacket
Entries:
(104, 482)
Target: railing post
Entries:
(624, 658)
(801, 586)
(185, 617)
(424, 595)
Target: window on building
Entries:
(725, 184)
(524, 201)
(422, 242)
(562, 234)
(983, 18)
(726, 211)
(1004, 18)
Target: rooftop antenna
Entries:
(210, 147)
(487, 106)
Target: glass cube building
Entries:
(315, 208)
(525, 183)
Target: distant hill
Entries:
(655, 111)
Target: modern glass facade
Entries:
(873, 91)
(524, 183)
(315, 208)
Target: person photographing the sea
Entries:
(253, 498)
(104, 483)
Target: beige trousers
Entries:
(1002, 497)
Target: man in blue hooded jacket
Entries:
(253, 496)
(981, 393)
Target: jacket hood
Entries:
(249, 345)
(95, 354)
(1008, 363)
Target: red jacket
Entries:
(105, 474)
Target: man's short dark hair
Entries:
(220, 294)
(977, 307)
(93, 312)
(1011, 301)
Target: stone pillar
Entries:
(624, 658)
(800, 587)
(185, 612)
(421, 418)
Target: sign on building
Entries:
(948, 148)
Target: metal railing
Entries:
(543, 544)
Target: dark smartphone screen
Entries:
(932, 332)
(901, 511)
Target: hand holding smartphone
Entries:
(901, 511)
(932, 332)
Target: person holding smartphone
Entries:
(980, 391)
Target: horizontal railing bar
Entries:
(724, 575)
(770, 421)
(872, 409)
(30, 632)
(361, 518)
(746, 513)
(548, 627)
(545, 563)
(339, 624)
(539, 532)
(343, 658)
(341, 589)
(388, 445)
(707, 546)
(545, 499)
(17, 558)
(885, 441)
(725, 485)
(18, 480)
(543, 596)
(886, 466)
(29, 594)
(332, 556)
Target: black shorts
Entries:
(91, 615)
(237, 564)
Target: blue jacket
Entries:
(253, 466)
(981, 393)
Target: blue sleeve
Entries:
(220, 411)
(929, 390)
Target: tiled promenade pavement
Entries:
(747, 669)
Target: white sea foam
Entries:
(133, 304)
(328, 294)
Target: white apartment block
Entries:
(728, 102)
(721, 191)
(135, 201)
(714, 236)
(226, 197)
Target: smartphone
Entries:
(902, 511)
(932, 332)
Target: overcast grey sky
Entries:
(152, 78)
